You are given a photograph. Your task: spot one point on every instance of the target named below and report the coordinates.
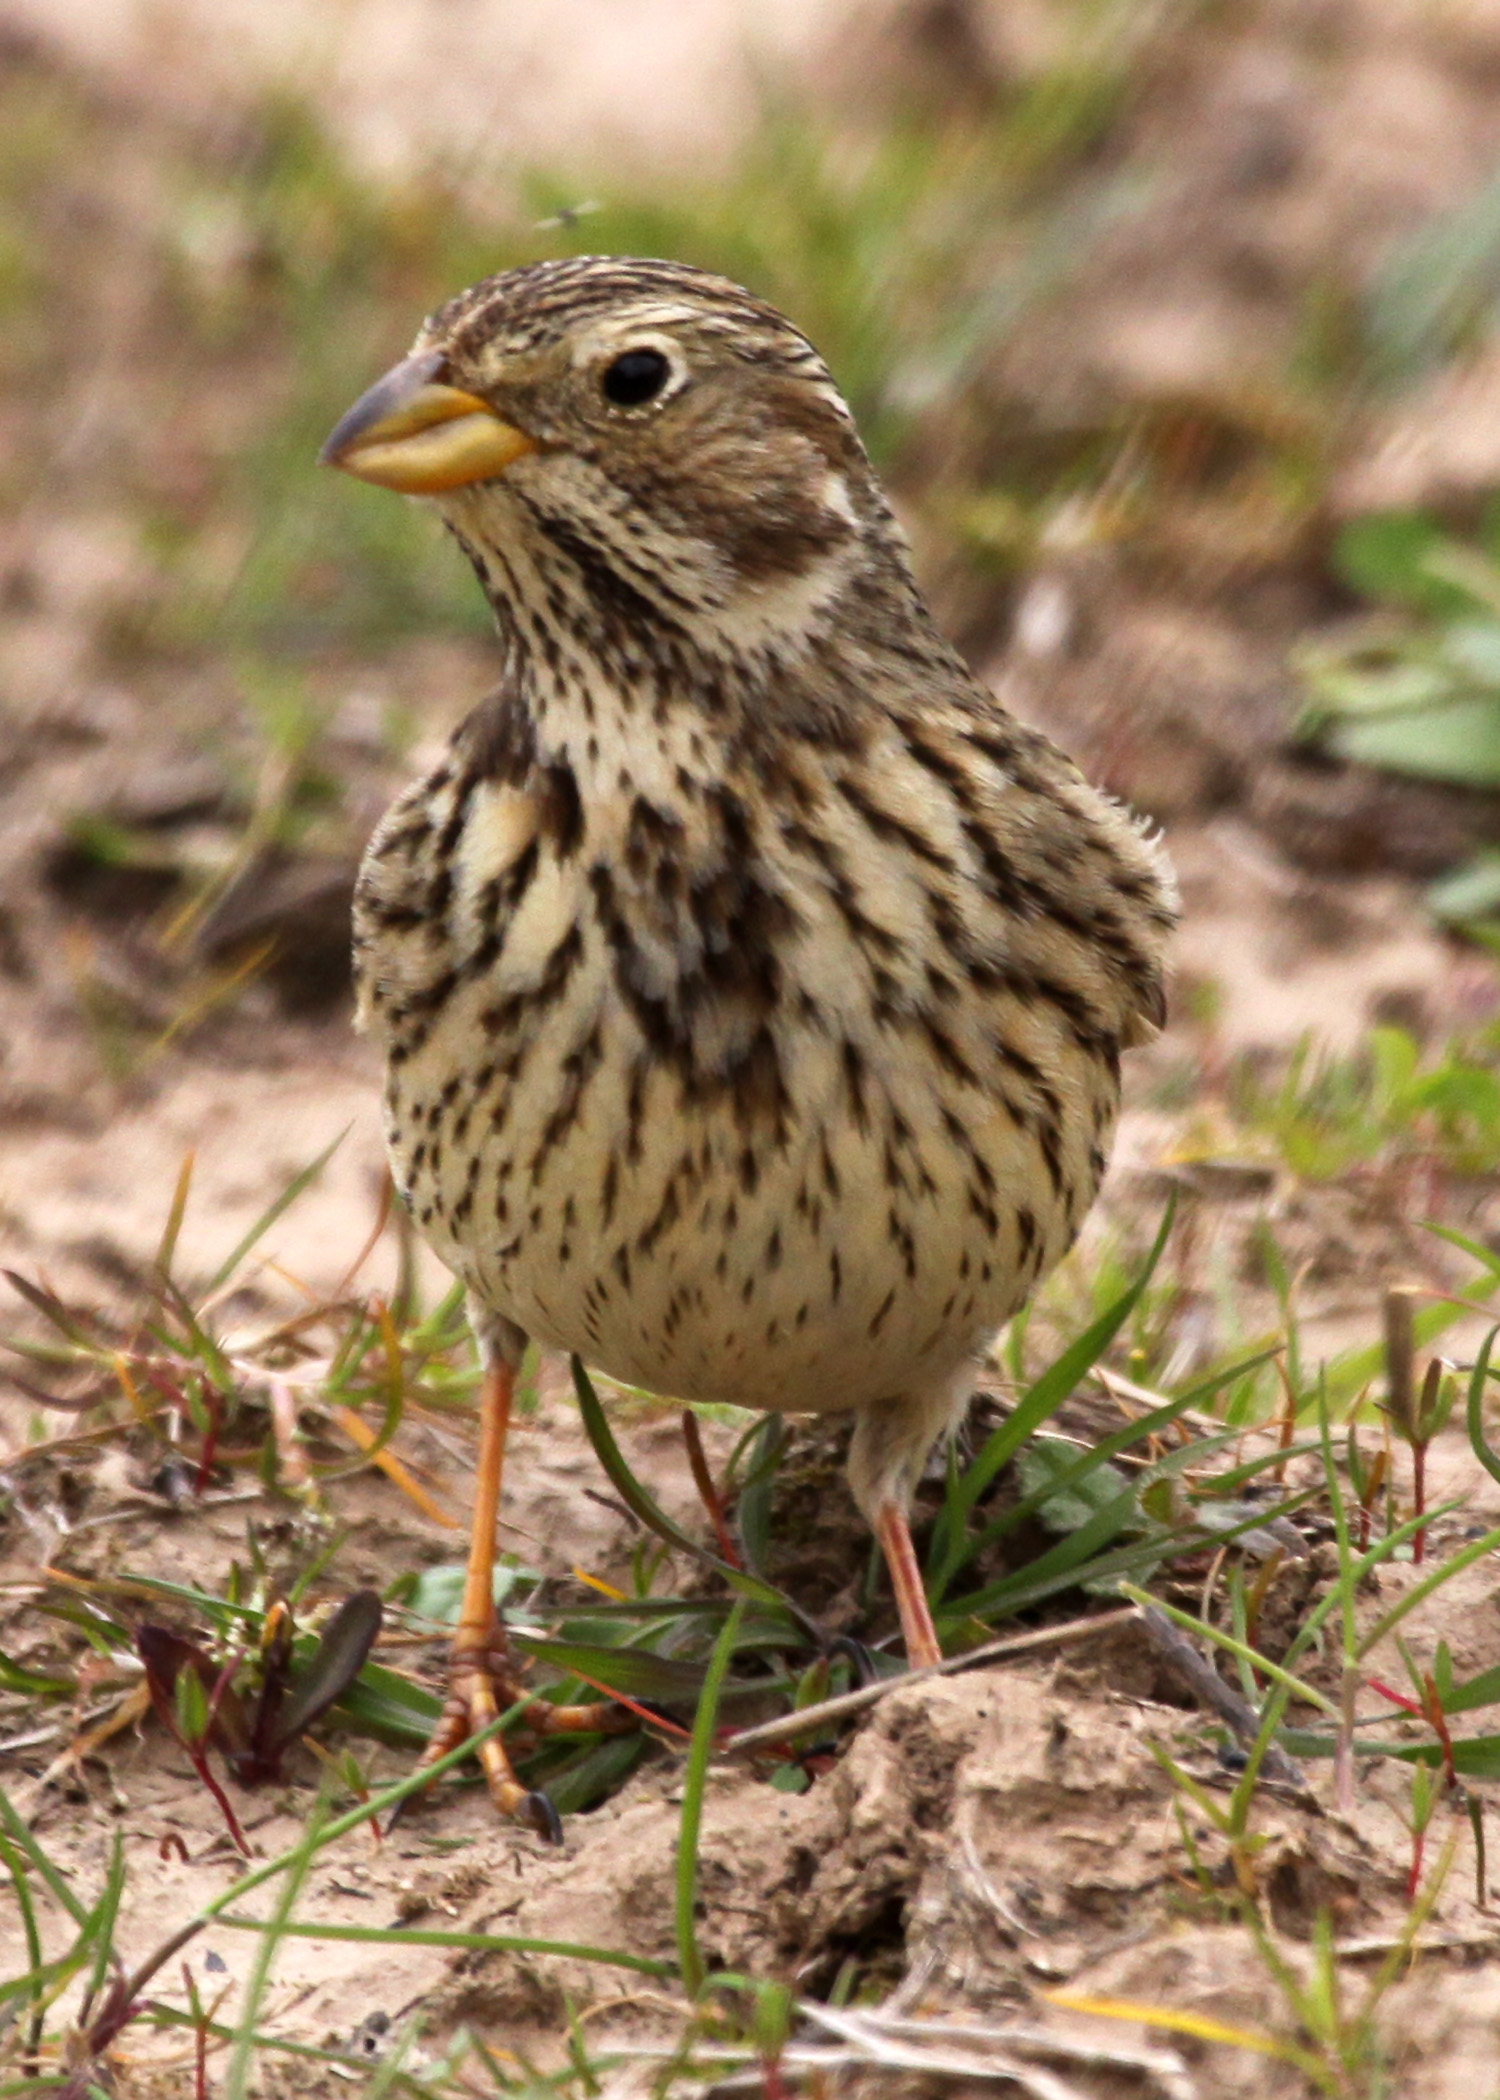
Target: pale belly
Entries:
(857, 1244)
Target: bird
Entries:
(752, 986)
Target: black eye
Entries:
(635, 377)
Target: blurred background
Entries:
(1172, 325)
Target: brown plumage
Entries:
(752, 986)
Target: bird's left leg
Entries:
(893, 1530)
(891, 1441)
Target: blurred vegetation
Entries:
(1414, 685)
(268, 283)
(1389, 1106)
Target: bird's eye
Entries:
(636, 377)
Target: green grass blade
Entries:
(589, 1773)
(1020, 1591)
(167, 1249)
(272, 1212)
(1333, 1597)
(1057, 1566)
(105, 1912)
(47, 1982)
(689, 1957)
(1086, 1462)
(32, 1981)
(237, 2074)
(472, 1942)
(1042, 1400)
(1476, 1549)
(33, 1684)
(382, 1702)
(635, 1671)
(753, 1511)
(1474, 1756)
(1483, 1690)
(1474, 1414)
(1227, 1641)
(27, 1845)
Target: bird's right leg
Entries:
(482, 1679)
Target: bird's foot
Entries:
(482, 1684)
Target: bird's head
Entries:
(632, 450)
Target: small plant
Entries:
(1415, 687)
(1416, 1413)
(196, 1696)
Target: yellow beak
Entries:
(411, 432)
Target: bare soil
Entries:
(980, 1842)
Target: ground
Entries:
(1124, 503)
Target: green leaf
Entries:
(1483, 1690)
(191, 1703)
(635, 1671)
(437, 1593)
(1455, 739)
(1475, 1756)
(1474, 1413)
(387, 1936)
(1473, 649)
(1063, 1565)
(1068, 1490)
(27, 1847)
(1386, 557)
(753, 1510)
(592, 1774)
(1060, 1569)
(1071, 1477)
(382, 1703)
(105, 1913)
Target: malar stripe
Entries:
(636, 592)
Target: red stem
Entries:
(200, 2051)
(773, 2085)
(708, 1494)
(1407, 1706)
(1437, 1720)
(199, 1756)
(1418, 1852)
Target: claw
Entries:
(538, 1814)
